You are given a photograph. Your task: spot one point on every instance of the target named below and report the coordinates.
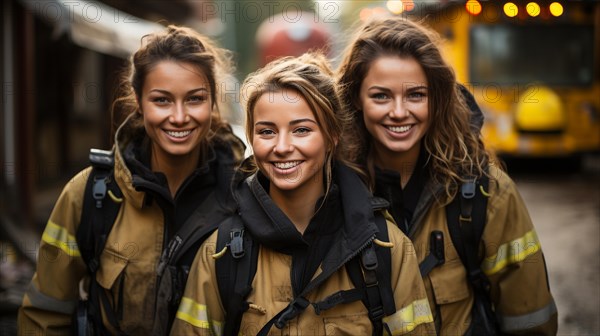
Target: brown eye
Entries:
(379, 96)
(160, 100)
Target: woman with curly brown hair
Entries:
(421, 152)
(173, 157)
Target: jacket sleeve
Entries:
(413, 315)
(514, 264)
(201, 311)
(52, 296)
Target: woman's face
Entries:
(393, 97)
(288, 144)
(176, 107)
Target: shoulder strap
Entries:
(466, 220)
(96, 206)
(97, 218)
(371, 274)
(466, 217)
(235, 271)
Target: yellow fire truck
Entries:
(533, 67)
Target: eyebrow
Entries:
(166, 92)
(376, 87)
(293, 122)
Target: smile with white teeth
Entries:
(286, 165)
(180, 134)
(399, 129)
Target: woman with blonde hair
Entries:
(319, 241)
(422, 154)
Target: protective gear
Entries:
(147, 219)
(512, 260)
(286, 269)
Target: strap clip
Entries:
(236, 244)
(294, 309)
(99, 190)
(369, 258)
(468, 189)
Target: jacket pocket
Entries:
(111, 267)
(351, 324)
(449, 282)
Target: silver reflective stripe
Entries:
(527, 321)
(44, 302)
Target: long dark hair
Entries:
(452, 148)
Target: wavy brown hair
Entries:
(178, 44)
(453, 149)
(311, 76)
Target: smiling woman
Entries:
(312, 219)
(176, 108)
(289, 147)
(173, 162)
(480, 258)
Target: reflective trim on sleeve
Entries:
(408, 318)
(44, 302)
(196, 315)
(527, 321)
(512, 252)
(59, 237)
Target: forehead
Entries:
(395, 71)
(282, 105)
(176, 73)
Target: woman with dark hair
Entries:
(420, 148)
(172, 154)
(314, 222)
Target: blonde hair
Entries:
(310, 76)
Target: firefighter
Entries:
(173, 155)
(312, 224)
(424, 156)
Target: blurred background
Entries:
(533, 67)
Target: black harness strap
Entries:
(235, 270)
(466, 222)
(372, 276)
(341, 297)
(97, 219)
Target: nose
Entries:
(179, 115)
(399, 109)
(283, 145)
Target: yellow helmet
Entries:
(540, 109)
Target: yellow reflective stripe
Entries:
(59, 237)
(408, 318)
(512, 252)
(196, 315)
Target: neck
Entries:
(298, 205)
(175, 168)
(404, 163)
